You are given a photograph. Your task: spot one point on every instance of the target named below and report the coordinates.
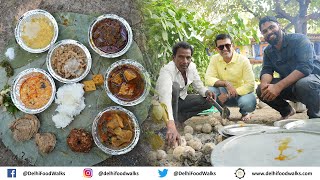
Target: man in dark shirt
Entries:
(293, 57)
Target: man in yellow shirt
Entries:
(230, 76)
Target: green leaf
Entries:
(164, 35)
(169, 24)
(163, 25)
(172, 13)
(183, 19)
(154, 16)
(209, 32)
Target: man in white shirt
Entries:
(172, 85)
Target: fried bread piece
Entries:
(45, 142)
(24, 128)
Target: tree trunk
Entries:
(300, 26)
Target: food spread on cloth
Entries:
(69, 62)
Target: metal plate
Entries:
(26, 17)
(109, 150)
(56, 75)
(18, 81)
(281, 123)
(220, 131)
(128, 29)
(306, 125)
(144, 74)
(239, 129)
(299, 148)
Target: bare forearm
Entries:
(290, 79)
(221, 83)
(266, 79)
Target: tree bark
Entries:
(300, 20)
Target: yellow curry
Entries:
(35, 92)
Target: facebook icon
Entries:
(11, 173)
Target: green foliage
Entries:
(165, 23)
(257, 8)
(8, 68)
(6, 100)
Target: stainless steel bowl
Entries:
(114, 151)
(56, 75)
(128, 29)
(25, 18)
(143, 73)
(18, 81)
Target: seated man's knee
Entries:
(215, 90)
(303, 85)
(248, 103)
(258, 91)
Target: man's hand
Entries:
(223, 97)
(270, 91)
(210, 95)
(172, 136)
(231, 90)
(263, 87)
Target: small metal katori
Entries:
(143, 73)
(27, 17)
(127, 28)
(279, 147)
(312, 125)
(106, 149)
(17, 83)
(60, 44)
(239, 129)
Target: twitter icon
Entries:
(162, 173)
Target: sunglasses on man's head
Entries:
(221, 47)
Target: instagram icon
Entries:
(87, 173)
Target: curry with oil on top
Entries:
(115, 129)
(35, 91)
(126, 83)
(284, 146)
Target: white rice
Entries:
(70, 102)
(61, 120)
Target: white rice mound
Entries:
(70, 102)
(61, 120)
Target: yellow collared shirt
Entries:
(238, 72)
